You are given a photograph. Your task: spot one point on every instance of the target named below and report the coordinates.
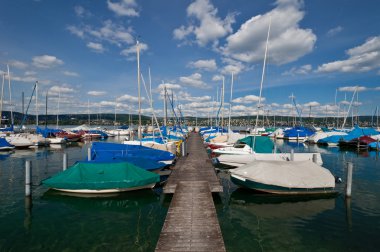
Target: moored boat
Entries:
(86, 177)
(284, 177)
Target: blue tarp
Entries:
(47, 132)
(110, 150)
(355, 133)
(7, 129)
(298, 131)
(4, 143)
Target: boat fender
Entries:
(338, 180)
(215, 161)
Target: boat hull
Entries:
(244, 182)
(102, 191)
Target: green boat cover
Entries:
(263, 143)
(101, 176)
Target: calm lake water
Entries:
(132, 221)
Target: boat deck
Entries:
(191, 223)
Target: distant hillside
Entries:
(123, 119)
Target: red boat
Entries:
(69, 136)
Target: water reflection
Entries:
(281, 207)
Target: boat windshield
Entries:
(239, 145)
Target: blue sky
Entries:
(84, 52)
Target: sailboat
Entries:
(282, 177)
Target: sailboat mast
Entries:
(36, 103)
(261, 83)
(59, 98)
(2, 97)
(222, 105)
(46, 104)
(151, 97)
(165, 107)
(138, 87)
(115, 113)
(10, 95)
(229, 115)
(88, 111)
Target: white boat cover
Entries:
(227, 138)
(289, 174)
(320, 135)
(239, 160)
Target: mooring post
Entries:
(89, 154)
(183, 148)
(28, 171)
(315, 158)
(64, 161)
(291, 155)
(350, 167)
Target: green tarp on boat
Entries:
(101, 176)
(262, 145)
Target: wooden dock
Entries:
(191, 223)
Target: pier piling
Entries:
(315, 158)
(350, 167)
(89, 154)
(28, 178)
(64, 161)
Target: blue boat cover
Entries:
(298, 131)
(4, 143)
(125, 151)
(47, 132)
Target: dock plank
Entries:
(191, 223)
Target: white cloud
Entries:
(28, 73)
(129, 99)
(28, 78)
(248, 99)
(96, 47)
(217, 77)
(312, 104)
(288, 42)
(232, 66)
(207, 65)
(55, 90)
(124, 8)
(96, 93)
(305, 69)
(81, 12)
(131, 51)
(18, 64)
(334, 31)
(352, 88)
(184, 96)
(194, 80)
(110, 32)
(72, 74)
(168, 86)
(377, 88)
(363, 58)
(46, 61)
(76, 31)
(211, 27)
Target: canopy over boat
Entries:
(286, 174)
(262, 145)
(101, 176)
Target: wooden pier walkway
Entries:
(191, 223)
